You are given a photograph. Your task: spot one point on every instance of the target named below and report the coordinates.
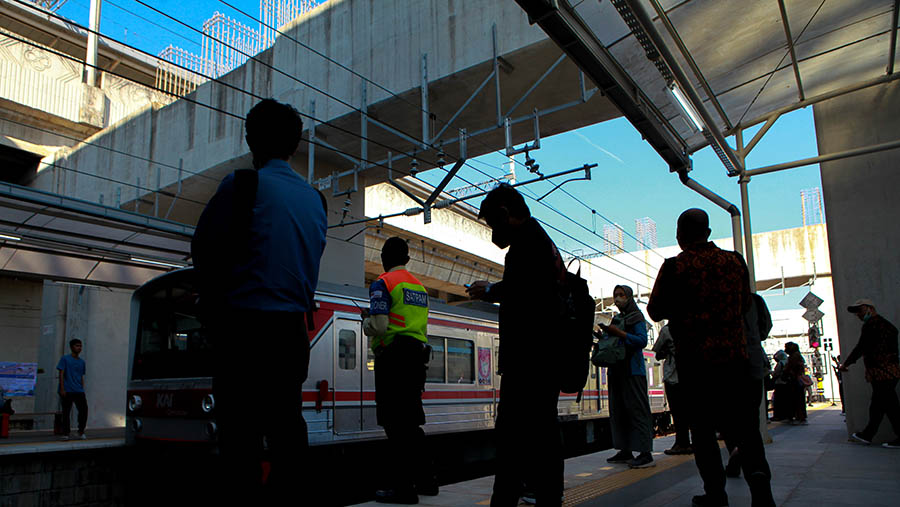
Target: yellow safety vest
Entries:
(408, 315)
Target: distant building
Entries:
(614, 240)
(813, 210)
(646, 233)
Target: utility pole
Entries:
(92, 42)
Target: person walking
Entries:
(528, 440)
(256, 250)
(629, 404)
(397, 323)
(72, 369)
(878, 348)
(704, 292)
(664, 348)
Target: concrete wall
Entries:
(861, 208)
(100, 319)
(20, 322)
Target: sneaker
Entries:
(394, 496)
(82, 436)
(644, 460)
(857, 437)
(64, 438)
(893, 444)
(621, 457)
(679, 449)
(529, 498)
(708, 501)
(429, 488)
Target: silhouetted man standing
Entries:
(528, 444)
(704, 292)
(256, 250)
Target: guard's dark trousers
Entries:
(529, 449)
(262, 359)
(399, 382)
(81, 404)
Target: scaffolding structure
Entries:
(177, 72)
(227, 44)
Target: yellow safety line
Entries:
(593, 489)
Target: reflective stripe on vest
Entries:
(409, 308)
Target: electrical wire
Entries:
(258, 97)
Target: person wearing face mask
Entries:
(629, 405)
(528, 441)
(878, 347)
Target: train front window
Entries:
(171, 342)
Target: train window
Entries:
(435, 371)
(460, 361)
(347, 349)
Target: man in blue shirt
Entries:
(256, 252)
(71, 388)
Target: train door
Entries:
(368, 385)
(348, 377)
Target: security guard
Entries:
(397, 323)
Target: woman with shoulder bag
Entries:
(629, 405)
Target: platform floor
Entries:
(812, 465)
(37, 441)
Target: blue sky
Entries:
(631, 180)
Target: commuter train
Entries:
(169, 396)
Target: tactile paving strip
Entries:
(593, 489)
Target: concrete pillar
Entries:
(50, 348)
(861, 210)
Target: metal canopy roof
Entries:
(49, 236)
(747, 67)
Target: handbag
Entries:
(608, 351)
(805, 380)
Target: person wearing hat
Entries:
(878, 347)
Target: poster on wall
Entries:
(484, 366)
(17, 379)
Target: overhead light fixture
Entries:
(10, 238)
(156, 263)
(686, 106)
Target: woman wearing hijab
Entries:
(795, 368)
(780, 396)
(629, 405)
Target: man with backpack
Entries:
(256, 251)
(528, 441)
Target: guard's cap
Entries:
(859, 302)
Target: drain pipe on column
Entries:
(720, 202)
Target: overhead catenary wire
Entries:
(214, 108)
(256, 96)
(223, 83)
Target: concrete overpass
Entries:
(474, 63)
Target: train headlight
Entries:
(211, 428)
(137, 425)
(208, 403)
(135, 403)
